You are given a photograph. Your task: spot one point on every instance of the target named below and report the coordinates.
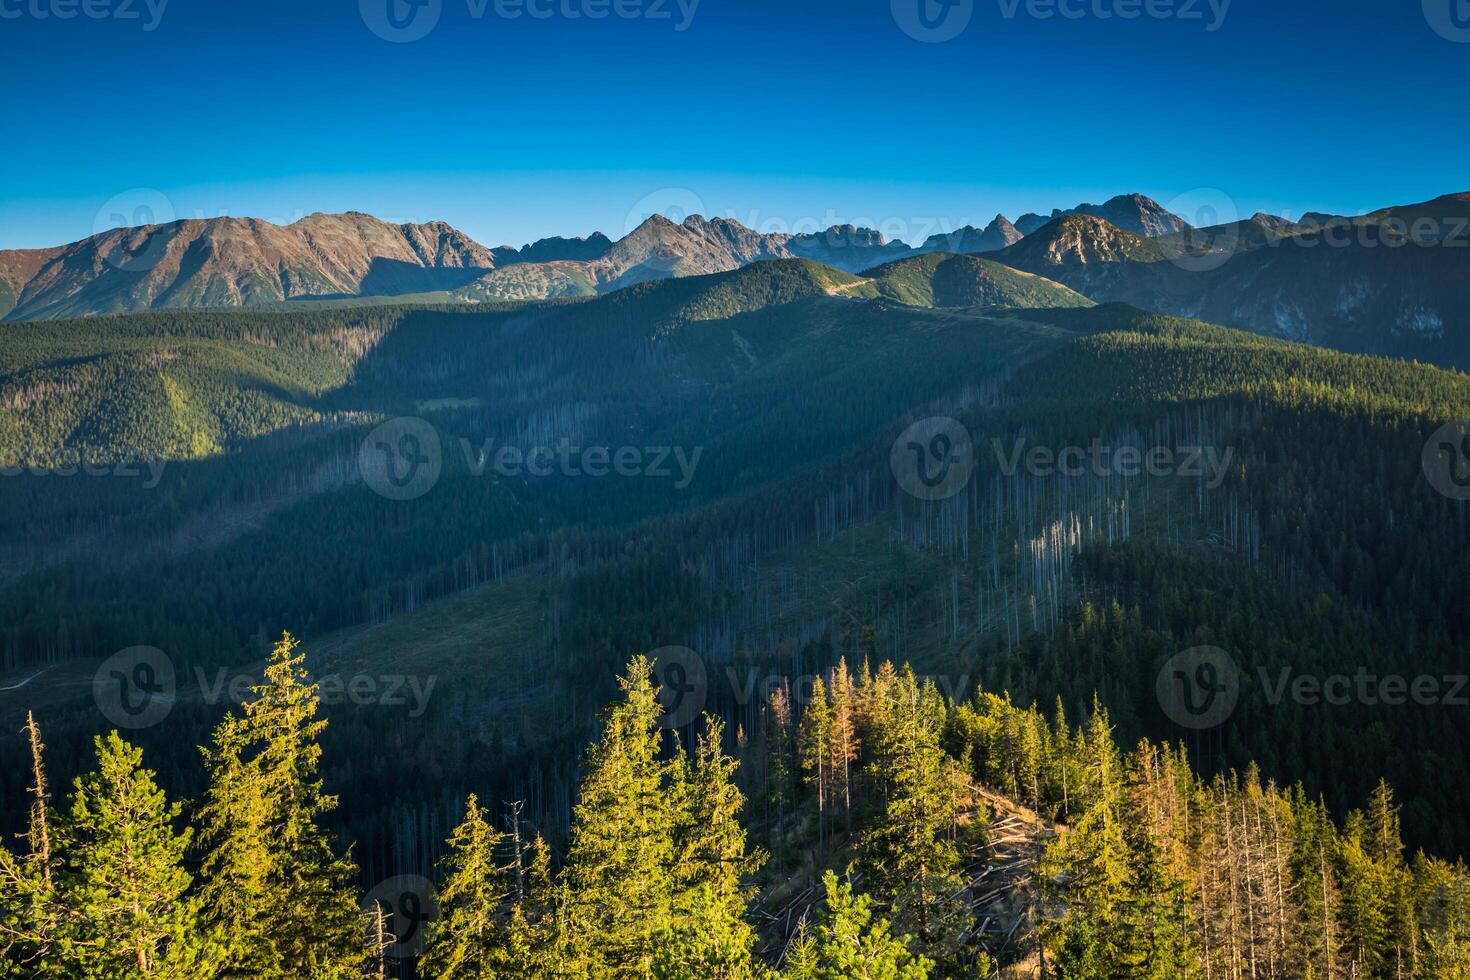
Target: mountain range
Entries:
(1393, 281)
(245, 262)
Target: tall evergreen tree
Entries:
(468, 941)
(28, 909)
(273, 881)
(709, 936)
(619, 868)
(123, 887)
(908, 851)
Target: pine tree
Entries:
(123, 885)
(780, 781)
(843, 742)
(908, 851)
(709, 936)
(272, 880)
(1088, 868)
(28, 910)
(467, 942)
(816, 740)
(619, 866)
(850, 942)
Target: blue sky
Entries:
(781, 114)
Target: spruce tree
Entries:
(619, 865)
(816, 739)
(467, 942)
(128, 911)
(537, 935)
(1087, 868)
(908, 850)
(850, 942)
(28, 910)
(273, 881)
(780, 778)
(709, 936)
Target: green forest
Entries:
(946, 835)
(929, 741)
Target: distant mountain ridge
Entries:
(1390, 281)
(239, 262)
(1394, 282)
(247, 262)
(1131, 212)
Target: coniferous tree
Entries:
(780, 775)
(619, 870)
(816, 741)
(908, 850)
(273, 882)
(851, 942)
(709, 936)
(468, 942)
(123, 887)
(537, 935)
(28, 910)
(1153, 924)
(843, 741)
(1090, 865)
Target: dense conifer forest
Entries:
(927, 737)
(946, 836)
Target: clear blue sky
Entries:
(776, 112)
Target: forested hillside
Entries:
(768, 525)
(950, 839)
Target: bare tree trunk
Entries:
(40, 832)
